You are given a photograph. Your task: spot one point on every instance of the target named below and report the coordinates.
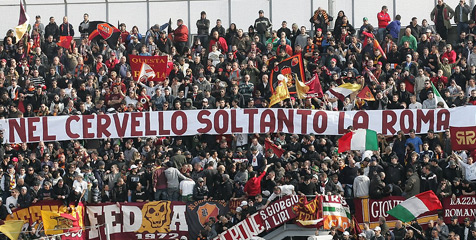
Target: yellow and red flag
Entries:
(57, 223)
(366, 94)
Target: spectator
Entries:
(262, 26)
(441, 15)
(383, 20)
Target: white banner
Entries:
(192, 122)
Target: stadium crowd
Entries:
(228, 68)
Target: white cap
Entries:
(346, 233)
(377, 229)
(244, 203)
(362, 235)
(133, 166)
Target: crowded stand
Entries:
(231, 68)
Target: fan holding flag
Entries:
(146, 72)
(23, 23)
(416, 206)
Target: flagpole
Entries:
(408, 225)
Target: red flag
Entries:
(377, 46)
(310, 213)
(355, 228)
(65, 41)
(315, 88)
(366, 94)
(372, 76)
(278, 151)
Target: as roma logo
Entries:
(295, 61)
(206, 211)
(105, 30)
(276, 68)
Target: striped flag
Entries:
(416, 206)
(344, 90)
(438, 97)
(336, 212)
(360, 139)
(377, 46)
(23, 23)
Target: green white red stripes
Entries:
(360, 139)
(415, 206)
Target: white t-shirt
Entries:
(11, 200)
(79, 186)
(187, 187)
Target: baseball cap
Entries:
(346, 233)
(366, 19)
(377, 229)
(261, 11)
(133, 166)
(243, 203)
(200, 180)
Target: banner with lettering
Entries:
(151, 220)
(158, 63)
(461, 207)
(463, 138)
(370, 210)
(33, 218)
(274, 215)
(310, 212)
(336, 212)
(228, 121)
(199, 212)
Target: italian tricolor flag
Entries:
(360, 139)
(415, 206)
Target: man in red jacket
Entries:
(383, 20)
(220, 42)
(253, 186)
(180, 36)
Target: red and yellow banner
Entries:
(158, 63)
(463, 138)
(73, 230)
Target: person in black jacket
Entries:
(455, 227)
(428, 180)
(3, 210)
(376, 186)
(61, 192)
(46, 193)
(225, 189)
(25, 199)
(394, 171)
(325, 186)
(52, 29)
(203, 26)
(200, 190)
(119, 192)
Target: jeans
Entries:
(462, 27)
(381, 34)
(203, 40)
(262, 38)
(173, 194)
(160, 194)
